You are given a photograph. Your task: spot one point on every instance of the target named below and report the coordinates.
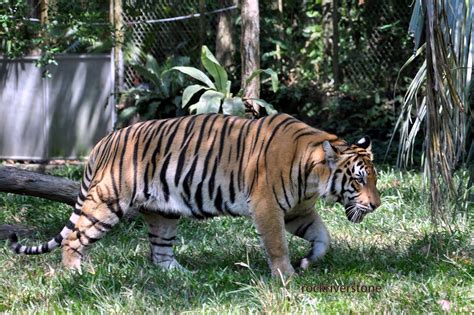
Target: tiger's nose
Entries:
(374, 204)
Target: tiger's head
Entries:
(353, 178)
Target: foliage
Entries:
(348, 115)
(16, 33)
(217, 96)
(372, 37)
(420, 269)
(71, 27)
(158, 96)
(438, 99)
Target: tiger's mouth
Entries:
(356, 212)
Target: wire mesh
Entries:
(175, 28)
(172, 28)
(376, 55)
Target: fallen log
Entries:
(20, 230)
(24, 182)
(18, 181)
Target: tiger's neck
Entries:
(317, 173)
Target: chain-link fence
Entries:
(371, 34)
(173, 28)
(372, 37)
(376, 37)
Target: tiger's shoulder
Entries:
(297, 130)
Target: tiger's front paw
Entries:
(71, 259)
(284, 269)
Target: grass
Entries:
(419, 268)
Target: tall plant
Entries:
(217, 96)
(159, 94)
(439, 97)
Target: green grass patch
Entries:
(419, 268)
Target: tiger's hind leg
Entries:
(162, 235)
(310, 227)
(95, 220)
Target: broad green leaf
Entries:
(152, 64)
(165, 85)
(144, 100)
(127, 113)
(151, 110)
(227, 92)
(234, 106)
(147, 75)
(210, 102)
(196, 74)
(273, 75)
(177, 101)
(268, 107)
(132, 53)
(189, 92)
(214, 68)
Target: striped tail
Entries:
(51, 244)
(58, 239)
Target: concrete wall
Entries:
(61, 117)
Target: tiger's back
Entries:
(198, 166)
(203, 166)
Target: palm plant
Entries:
(438, 96)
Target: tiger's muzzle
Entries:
(356, 212)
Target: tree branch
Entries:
(18, 181)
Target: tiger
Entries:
(271, 169)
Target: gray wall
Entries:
(61, 117)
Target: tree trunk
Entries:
(327, 38)
(18, 181)
(250, 50)
(44, 4)
(225, 48)
(335, 43)
(116, 9)
(280, 26)
(202, 23)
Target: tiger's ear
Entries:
(365, 143)
(331, 153)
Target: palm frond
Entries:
(443, 85)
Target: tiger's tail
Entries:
(56, 241)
